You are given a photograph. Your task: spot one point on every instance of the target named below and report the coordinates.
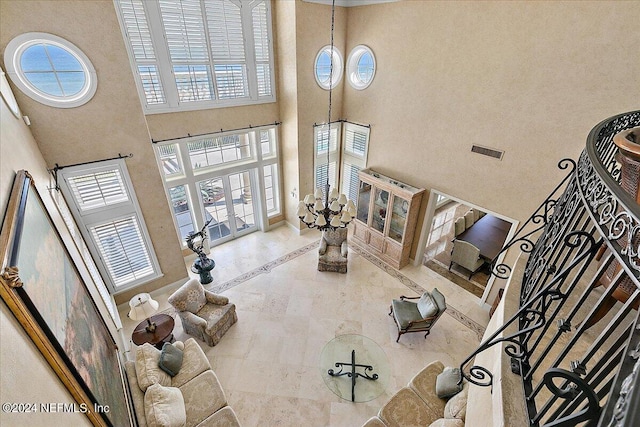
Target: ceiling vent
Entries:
(491, 152)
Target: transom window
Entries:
(229, 181)
(50, 70)
(195, 54)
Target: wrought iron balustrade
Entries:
(576, 344)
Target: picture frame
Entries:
(43, 288)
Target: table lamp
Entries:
(143, 307)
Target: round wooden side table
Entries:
(162, 334)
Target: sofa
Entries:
(191, 397)
(418, 404)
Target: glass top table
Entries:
(354, 367)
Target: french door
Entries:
(228, 205)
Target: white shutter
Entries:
(104, 204)
(262, 48)
(356, 140)
(224, 24)
(137, 31)
(184, 30)
(350, 180)
(354, 157)
(225, 31)
(322, 143)
(123, 250)
(98, 190)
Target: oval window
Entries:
(361, 67)
(323, 73)
(50, 70)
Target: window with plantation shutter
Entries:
(135, 26)
(196, 54)
(326, 167)
(123, 250)
(354, 157)
(103, 203)
(260, 16)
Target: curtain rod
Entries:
(153, 141)
(58, 167)
(342, 121)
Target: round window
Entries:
(324, 76)
(361, 67)
(50, 70)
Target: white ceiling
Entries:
(351, 3)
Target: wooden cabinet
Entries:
(387, 212)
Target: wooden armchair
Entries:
(417, 316)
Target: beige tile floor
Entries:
(268, 362)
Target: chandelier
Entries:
(327, 210)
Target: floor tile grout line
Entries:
(409, 283)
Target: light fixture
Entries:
(143, 307)
(335, 211)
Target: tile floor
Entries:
(268, 362)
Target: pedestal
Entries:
(204, 269)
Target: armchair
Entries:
(333, 251)
(417, 316)
(467, 256)
(204, 315)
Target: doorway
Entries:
(436, 242)
(229, 206)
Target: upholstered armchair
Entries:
(466, 256)
(333, 251)
(204, 315)
(417, 316)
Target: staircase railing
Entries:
(577, 343)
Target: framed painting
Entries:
(43, 288)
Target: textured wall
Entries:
(111, 123)
(530, 78)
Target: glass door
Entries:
(380, 209)
(398, 218)
(228, 206)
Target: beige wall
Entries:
(111, 123)
(26, 375)
(530, 78)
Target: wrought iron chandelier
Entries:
(335, 211)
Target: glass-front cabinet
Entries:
(387, 213)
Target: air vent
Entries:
(496, 154)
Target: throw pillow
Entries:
(427, 306)
(170, 359)
(147, 370)
(164, 406)
(456, 407)
(447, 382)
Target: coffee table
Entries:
(163, 332)
(354, 367)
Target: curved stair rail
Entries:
(577, 341)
